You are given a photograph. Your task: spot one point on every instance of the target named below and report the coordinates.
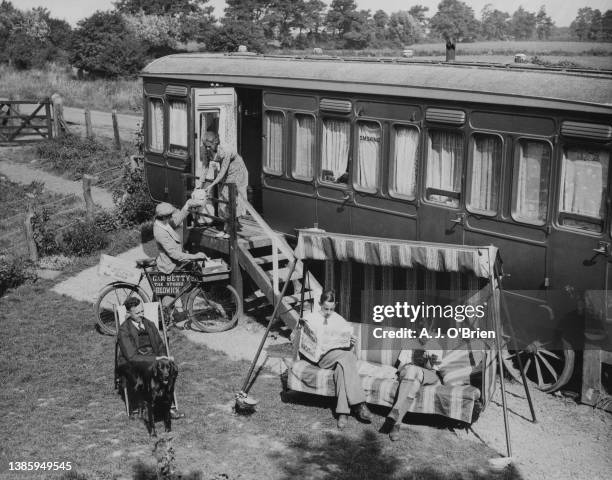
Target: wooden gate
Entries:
(25, 120)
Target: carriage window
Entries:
(368, 155)
(335, 143)
(177, 125)
(275, 124)
(531, 173)
(304, 146)
(444, 163)
(584, 176)
(484, 171)
(156, 125)
(405, 155)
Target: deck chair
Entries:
(154, 312)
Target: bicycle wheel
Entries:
(111, 296)
(216, 309)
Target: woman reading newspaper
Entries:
(326, 341)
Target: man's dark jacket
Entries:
(127, 340)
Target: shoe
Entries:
(176, 415)
(394, 434)
(342, 421)
(363, 413)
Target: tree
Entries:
(544, 24)
(163, 7)
(246, 10)
(455, 20)
(340, 16)
(418, 13)
(159, 34)
(404, 29)
(606, 26)
(381, 21)
(234, 33)
(105, 46)
(523, 24)
(494, 24)
(284, 16)
(583, 25)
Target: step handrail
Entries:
(278, 244)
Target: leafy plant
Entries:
(132, 197)
(82, 239)
(14, 271)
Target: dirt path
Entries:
(24, 174)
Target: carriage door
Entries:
(580, 240)
(441, 217)
(215, 111)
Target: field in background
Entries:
(125, 95)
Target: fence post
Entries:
(49, 118)
(236, 277)
(116, 131)
(88, 128)
(89, 203)
(29, 233)
(58, 115)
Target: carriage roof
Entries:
(482, 83)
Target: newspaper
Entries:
(316, 342)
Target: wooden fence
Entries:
(35, 124)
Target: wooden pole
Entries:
(236, 277)
(89, 203)
(88, 128)
(49, 118)
(58, 115)
(29, 233)
(116, 130)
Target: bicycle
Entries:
(212, 304)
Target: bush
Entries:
(14, 271)
(44, 232)
(77, 156)
(82, 239)
(132, 197)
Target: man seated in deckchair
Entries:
(416, 368)
(140, 345)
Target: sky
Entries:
(561, 11)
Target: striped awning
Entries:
(321, 245)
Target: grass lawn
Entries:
(59, 405)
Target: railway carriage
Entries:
(454, 153)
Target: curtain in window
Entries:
(405, 160)
(583, 182)
(156, 125)
(304, 146)
(178, 126)
(444, 163)
(274, 141)
(531, 198)
(368, 154)
(486, 160)
(335, 142)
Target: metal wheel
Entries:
(216, 309)
(547, 365)
(113, 295)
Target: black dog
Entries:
(157, 392)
